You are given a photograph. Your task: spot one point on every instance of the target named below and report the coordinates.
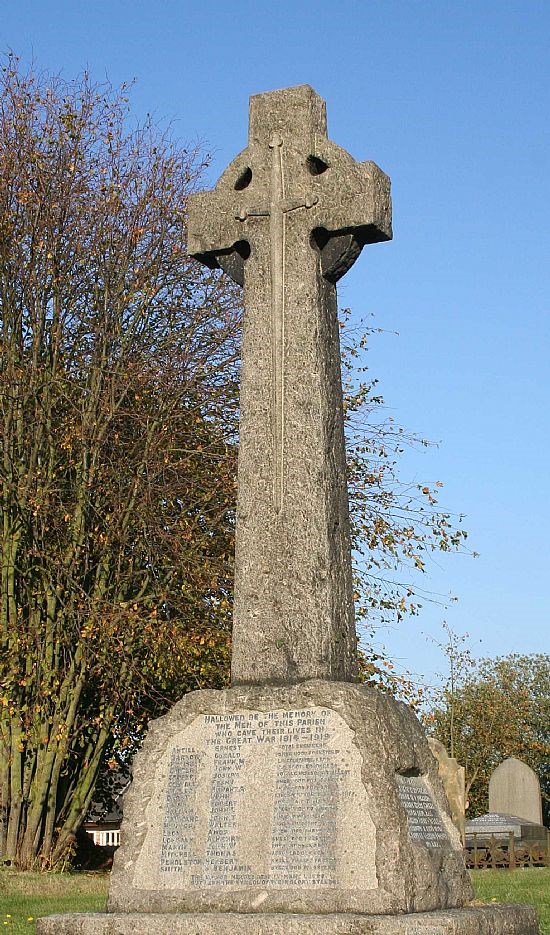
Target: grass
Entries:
(24, 896)
(530, 886)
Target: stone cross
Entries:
(288, 217)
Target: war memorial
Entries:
(298, 800)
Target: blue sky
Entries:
(452, 100)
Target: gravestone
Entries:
(297, 801)
(514, 789)
(499, 826)
(453, 777)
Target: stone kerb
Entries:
(488, 920)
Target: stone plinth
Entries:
(321, 797)
(313, 808)
(479, 920)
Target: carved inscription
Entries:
(424, 820)
(178, 833)
(261, 799)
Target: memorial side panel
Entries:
(425, 822)
(260, 799)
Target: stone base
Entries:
(478, 920)
(296, 799)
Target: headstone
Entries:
(453, 777)
(297, 801)
(514, 789)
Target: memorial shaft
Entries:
(288, 217)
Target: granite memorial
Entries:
(297, 801)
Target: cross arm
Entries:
(212, 223)
(355, 209)
(356, 198)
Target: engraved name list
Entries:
(267, 799)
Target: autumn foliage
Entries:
(496, 708)
(118, 405)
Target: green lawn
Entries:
(516, 886)
(24, 896)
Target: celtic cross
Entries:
(287, 219)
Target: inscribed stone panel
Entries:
(269, 799)
(424, 821)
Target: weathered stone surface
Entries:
(498, 827)
(479, 920)
(453, 777)
(288, 217)
(287, 799)
(514, 789)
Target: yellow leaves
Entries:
(427, 493)
(136, 234)
(418, 562)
